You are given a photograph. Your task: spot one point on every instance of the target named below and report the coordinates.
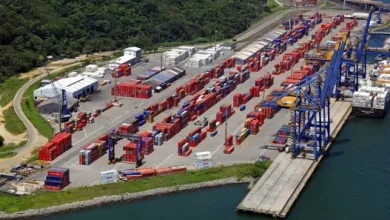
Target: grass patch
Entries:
(8, 149)
(273, 4)
(44, 199)
(12, 122)
(31, 112)
(9, 88)
(12, 146)
(7, 154)
(328, 5)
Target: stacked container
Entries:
(51, 150)
(241, 135)
(57, 178)
(225, 111)
(183, 148)
(91, 152)
(130, 152)
(129, 89)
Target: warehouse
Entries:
(74, 87)
(257, 46)
(51, 105)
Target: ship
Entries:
(370, 102)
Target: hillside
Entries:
(32, 30)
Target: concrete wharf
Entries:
(276, 191)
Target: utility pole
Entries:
(116, 87)
(161, 59)
(226, 122)
(215, 36)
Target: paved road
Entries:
(33, 134)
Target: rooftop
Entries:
(72, 84)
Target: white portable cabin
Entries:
(203, 160)
(109, 176)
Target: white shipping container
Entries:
(91, 68)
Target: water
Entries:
(351, 183)
(377, 41)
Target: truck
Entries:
(202, 122)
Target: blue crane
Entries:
(310, 119)
(114, 137)
(355, 62)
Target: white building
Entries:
(113, 64)
(131, 55)
(133, 51)
(74, 87)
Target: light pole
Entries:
(161, 58)
(215, 36)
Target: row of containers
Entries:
(57, 179)
(63, 140)
(196, 84)
(193, 86)
(199, 103)
(164, 130)
(113, 176)
(324, 55)
(256, 118)
(78, 123)
(192, 140)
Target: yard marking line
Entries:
(116, 166)
(216, 150)
(85, 133)
(165, 160)
(90, 134)
(72, 165)
(94, 182)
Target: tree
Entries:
(1, 141)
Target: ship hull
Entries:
(368, 112)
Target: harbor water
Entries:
(352, 182)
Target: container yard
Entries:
(211, 107)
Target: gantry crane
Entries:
(114, 137)
(355, 62)
(310, 116)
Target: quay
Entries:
(276, 191)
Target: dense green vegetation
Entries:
(32, 30)
(10, 203)
(9, 88)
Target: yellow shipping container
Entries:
(287, 102)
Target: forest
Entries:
(31, 30)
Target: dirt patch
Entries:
(58, 65)
(8, 137)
